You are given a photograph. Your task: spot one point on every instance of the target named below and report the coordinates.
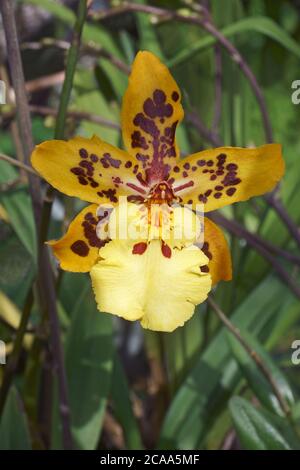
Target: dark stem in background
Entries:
(72, 58)
(218, 88)
(72, 113)
(46, 111)
(253, 354)
(252, 238)
(45, 281)
(19, 164)
(236, 229)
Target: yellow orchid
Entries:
(155, 280)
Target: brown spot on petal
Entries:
(80, 248)
(82, 180)
(94, 158)
(230, 191)
(204, 269)
(83, 153)
(175, 96)
(231, 167)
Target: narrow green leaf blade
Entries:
(14, 433)
(253, 429)
(254, 376)
(123, 407)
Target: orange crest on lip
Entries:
(161, 193)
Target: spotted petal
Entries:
(151, 112)
(225, 175)
(217, 251)
(159, 291)
(78, 249)
(89, 169)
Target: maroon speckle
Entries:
(204, 269)
(185, 174)
(166, 250)
(80, 248)
(107, 160)
(157, 107)
(176, 169)
(208, 192)
(221, 158)
(186, 166)
(128, 164)
(217, 195)
(82, 180)
(139, 248)
(232, 167)
(210, 163)
(109, 193)
(77, 171)
(220, 172)
(205, 249)
(89, 229)
(201, 162)
(94, 158)
(139, 141)
(175, 96)
(230, 191)
(213, 177)
(219, 188)
(83, 153)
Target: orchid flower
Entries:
(155, 280)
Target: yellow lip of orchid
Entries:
(156, 280)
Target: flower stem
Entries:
(72, 59)
(46, 287)
(19, 164)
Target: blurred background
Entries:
(199, 387)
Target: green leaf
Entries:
(86, 98)
(19, 208)
(254, 376)
(17, 268)
(206, 389)
(253, 429)
(122, 406)
(259, 24)
(89, 365)
(14, 433)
